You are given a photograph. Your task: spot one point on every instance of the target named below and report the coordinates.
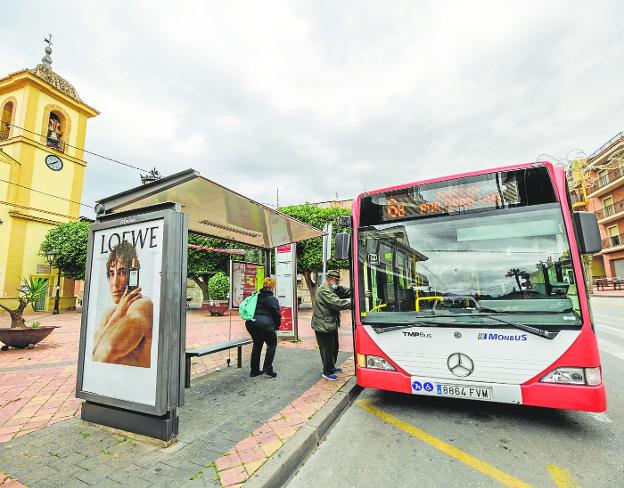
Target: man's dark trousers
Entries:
(328, 347)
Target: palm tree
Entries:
(32, 289)
(515, 273)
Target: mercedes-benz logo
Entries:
(460, 365)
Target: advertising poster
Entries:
(286, 288)
(122, 325)
(246, 279)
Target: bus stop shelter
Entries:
(140, 391)
(214, 211)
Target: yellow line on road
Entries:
(562, 477)
(468, 459)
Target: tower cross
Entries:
(47, 60)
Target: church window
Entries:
(7, 116)
(56, 127)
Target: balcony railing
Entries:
(54, 143)
(610, 177)
(4, 131)
(614, 139)
(613, 241)
(609, 210)
(576, 198)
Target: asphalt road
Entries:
(394, 440)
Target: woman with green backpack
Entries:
(262, 327)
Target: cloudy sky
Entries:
(326, 98)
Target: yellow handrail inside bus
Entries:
(418, 300)
(375, 308)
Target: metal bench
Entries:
(211, 349)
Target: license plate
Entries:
(463, 391)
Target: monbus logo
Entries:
(493, 336)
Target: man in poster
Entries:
(124, 335)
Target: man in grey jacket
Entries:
(331, 299)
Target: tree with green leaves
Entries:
(68, 243)
(202, 265)
(310, 252)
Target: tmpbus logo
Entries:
(493, 336)
(417, 334)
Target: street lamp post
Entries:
(51, 260)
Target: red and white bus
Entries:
(472, 286)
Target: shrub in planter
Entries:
(218, 288)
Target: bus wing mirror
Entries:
(342, 245)
(587, 232)
(345, 221)
(372, 245)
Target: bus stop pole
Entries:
(267, 262)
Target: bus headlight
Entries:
(574, 376)
(375, 362)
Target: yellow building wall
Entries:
(18, 97)
(5, 227)
(33, 214)
(34, 173)
(598, 268)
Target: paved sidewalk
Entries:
(37, 391)
(245, 458)
(222, 409)
(37, 386)
(607, 293)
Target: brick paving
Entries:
(248, 455)
(222, 410)
(8, 482)
(37, 386)
(607, 293)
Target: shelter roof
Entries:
(214, 210)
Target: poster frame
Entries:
(231, 291)
(285, 335)
(172, 308)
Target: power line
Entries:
(78, 148)
(40, 210)
(44, 193)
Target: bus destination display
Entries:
(452, 197)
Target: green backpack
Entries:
(247, 308)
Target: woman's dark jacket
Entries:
(267, 310)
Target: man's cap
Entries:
(332, 273)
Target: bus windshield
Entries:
(466, 250)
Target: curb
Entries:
(280, 467)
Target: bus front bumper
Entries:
(566, 397)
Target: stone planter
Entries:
(19, 337)
(216, 307)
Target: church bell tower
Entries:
(42, 133)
